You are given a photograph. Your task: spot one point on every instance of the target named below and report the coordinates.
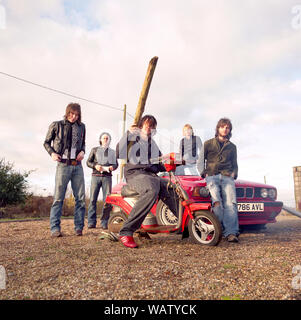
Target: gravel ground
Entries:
(259, 267)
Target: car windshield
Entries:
(183, 171)
(187, 170)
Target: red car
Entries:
(256, 202)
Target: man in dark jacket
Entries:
(138, 148)
(102, 160)
(218, 164)
(65, 143)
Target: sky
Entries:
(217, 58)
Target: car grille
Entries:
(245, 192)
(257, 193)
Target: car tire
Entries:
(253, 227)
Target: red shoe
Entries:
(128, 241)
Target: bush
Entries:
(13, 185)
(39, 207)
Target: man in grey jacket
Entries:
(65, 143)
(219, 156)
(102, 160)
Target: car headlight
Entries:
(200, 191)
(272, 193)
(264, 192)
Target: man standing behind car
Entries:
(218, 164)
(65, 142)
(102, 160)
(189, 148)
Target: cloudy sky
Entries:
(239, 59)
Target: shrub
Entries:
(13, 185)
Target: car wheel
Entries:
(253, 227)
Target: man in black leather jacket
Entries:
(65, 143)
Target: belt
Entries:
(70, 162)
(101, 175)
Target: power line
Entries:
(71, 95)
(60, 92)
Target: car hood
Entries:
(189, 182)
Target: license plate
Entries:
(250, 207)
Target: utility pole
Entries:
(145, 89)
(123, 132)
(142, 100)
(124, 119)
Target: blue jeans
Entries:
(222, 190)
(64, 174)
(96, 183)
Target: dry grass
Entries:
(39, 207)
(166, 267)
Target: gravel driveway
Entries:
(259, 267)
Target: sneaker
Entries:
(128, 241)
(109, 235)
(56, 234)
(232, 238)
(91, 226)
(79, 232)
(114, 236)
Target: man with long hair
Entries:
(65, 143)
(218, 164)
(140, 171)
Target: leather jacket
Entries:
(54, 141)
